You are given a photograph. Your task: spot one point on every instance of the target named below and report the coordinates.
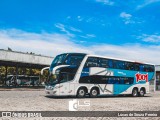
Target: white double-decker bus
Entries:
(82, 74)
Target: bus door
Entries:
(66, 86)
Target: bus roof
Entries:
(75, 53)
(108, 58)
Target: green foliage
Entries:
(21, 71)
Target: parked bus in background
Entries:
(22, 80)
(83, 74)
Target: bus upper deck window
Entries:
(92, 62)
(110, 63)
(141, 67)
(136, 66)
(103, 63)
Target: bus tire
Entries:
(81, 93)
(142, 92)
(135, 92)
(94, 92)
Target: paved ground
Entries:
(37, 101)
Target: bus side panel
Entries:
(105, 89)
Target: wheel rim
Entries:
(135, 92)
(81, 93)
(94, 92)
(141, 92)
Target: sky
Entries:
(125, 29)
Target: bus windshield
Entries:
(65, 73)
(59, 59)
(67, 59)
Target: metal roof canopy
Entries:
(22, 65)
(11, 58)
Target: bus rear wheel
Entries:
(135, 92)
(141, 92)
(94, 92)
(81, 93)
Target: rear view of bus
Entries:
(82, 74)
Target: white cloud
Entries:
(125, 15)
(106, 2)
(44, 43)
(127, 18)
(67, 29)
(88, 36)
(146, 3)
(91, 35)
(150, 38)
(79, 18)
(74, 29)
(130, 51)
(53, 44)
(63, 29)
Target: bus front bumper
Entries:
(51, 92)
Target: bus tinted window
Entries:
(141, 67)
(129, 66)
(148, 68)
(74, 60)
(110, 63)
(136, 67)
(92, 62)
(114, 64)
(120, 65)
(106, 80)
(103, 63)
(151, 68)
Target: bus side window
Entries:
(128, 81)
(141, 67)
(103, 63)
(146, 68)
(121, 81)
(91, 62)
(129, 66)
(110, 63)
(151, 68)
(120, 64)
(136, 66)
(115, 64)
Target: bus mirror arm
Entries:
(43, 70)
(57, 67)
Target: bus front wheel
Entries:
(81, 93)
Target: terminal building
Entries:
(17, 60)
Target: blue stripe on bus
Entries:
(119, 88)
